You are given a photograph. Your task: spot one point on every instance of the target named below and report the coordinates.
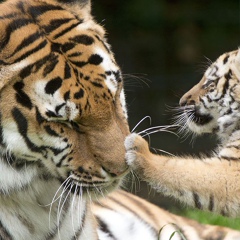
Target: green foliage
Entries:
(213, 219)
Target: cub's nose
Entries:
(186, 100)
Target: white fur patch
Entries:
(129, 144)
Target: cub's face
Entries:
(213, 104)
(62, 102)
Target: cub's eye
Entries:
(209, 85)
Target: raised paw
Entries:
(136, 150)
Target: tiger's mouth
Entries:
(197, 117)
(80, 187)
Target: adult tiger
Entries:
(63, 124)
(211, 106)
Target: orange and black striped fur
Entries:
(212, 106)
(63, 123)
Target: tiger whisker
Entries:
(158, 127)
(141, 122)
(135, 77)
(79, 204)
(161, 150)
(51, 204)
(61, 208)
(160, 130)
(72, 210)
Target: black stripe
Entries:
(104, 228)
(96, 84)
(8, 16)
(53, 85)
(211, 203)
(67, 71)
(51, 64)
(66, 30)
(40, 119)
(27, 71)
(26, 42)
(67, 46)
(56, 23)
(22, 125)
(37, 11)
(59, 164)
(13, 26)
(83, 39)
(66, 95)
(197, 201)
(50, 131)
(30, 52)
(79, 94)
(58, 107)
(226, 59)
(79, 63)
(21, 97)
(4, 233)
(229, 158)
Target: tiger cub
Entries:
(212, 106)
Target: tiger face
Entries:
(62, 103)
(212, 106)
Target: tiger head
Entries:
(62, 102)
(212, 106)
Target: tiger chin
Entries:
(213, 107)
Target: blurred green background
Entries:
(163, 48)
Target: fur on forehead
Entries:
(75, 5)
